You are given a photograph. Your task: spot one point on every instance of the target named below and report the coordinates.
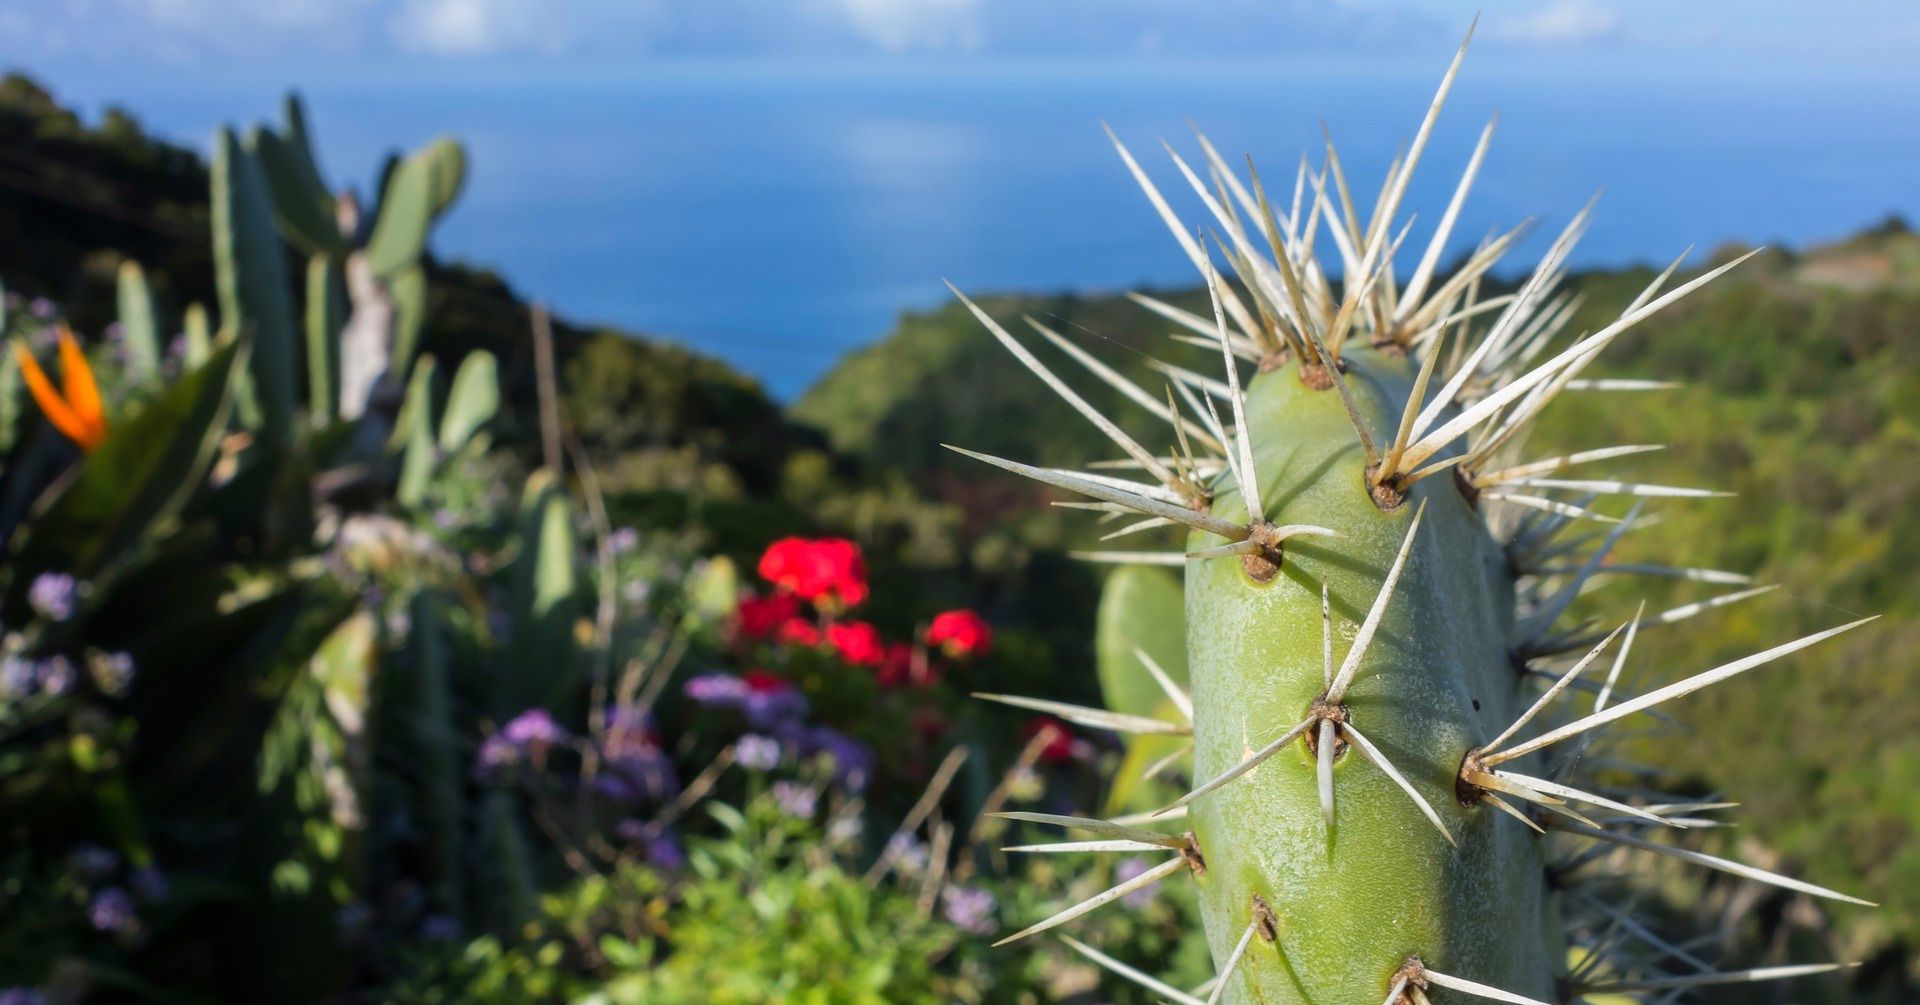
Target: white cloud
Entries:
(1560, 23)
(478, 27)
(903, 25)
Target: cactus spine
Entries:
(1379, 691)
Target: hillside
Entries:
(1801, 394)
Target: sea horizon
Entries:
(779, 215)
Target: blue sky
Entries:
(135, 37)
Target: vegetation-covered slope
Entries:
(1800, 393)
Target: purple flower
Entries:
(968, 908)
(796, 800)
(665, 852)
(151, 884)
(439, 928)
(17, 677)
(908, 853)
(717, 690)
(496, 753)
(1130, 868)
(114, 671)
(773, 708)
(112, 911)
(852, 760)
(56, 675)
(759, 753)
(660, 847)
(113, 332)
(52, 595)
(534, 730)
(624, 540)
(91, 862)
(21, 996)
(40, 307)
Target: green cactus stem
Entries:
(1384, 800)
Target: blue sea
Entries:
(778, 215)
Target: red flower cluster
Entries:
(831, 575)
(960, 634)
(1057, 741)
(829, 572)
(857, 642)
(764, 617)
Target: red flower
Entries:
(761, 617)
(826, 571)
(960, 634)
(798, 631)
(1059, 741)
(896, 664)
(858, 643)
(760, 682)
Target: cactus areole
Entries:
(1385, 711)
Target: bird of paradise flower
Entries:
(75, 409)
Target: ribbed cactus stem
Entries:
(1383, 706)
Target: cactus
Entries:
(250, 275)
(358, 354)
(1385, 798)
(139, 325)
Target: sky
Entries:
(227, 36)
(634, 158)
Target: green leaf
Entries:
(472, 402)
(1140, 606)
(141, 474)
(139, 328)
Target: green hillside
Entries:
(1801, 374)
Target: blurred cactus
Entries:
(371, 261)
(139, 324)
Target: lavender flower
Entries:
(624, 540)
(796, 800)
(852, 760)
(41, 308)
(51, 594)
(534, 730)
(759, 753)
(56, 675)
(969, 909)
(151, 884)
(665, 852)
(112, 911)
(717, 691)
(21, 996)
(17, 677)
(1130, 868)
(91, 862)
(496, 753)
(439, 928)
(774, 707)
(114, 672)
(908, 853)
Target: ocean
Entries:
(778, 215)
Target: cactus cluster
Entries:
(1367, 674)
(273, 552)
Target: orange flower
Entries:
(74, 409)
